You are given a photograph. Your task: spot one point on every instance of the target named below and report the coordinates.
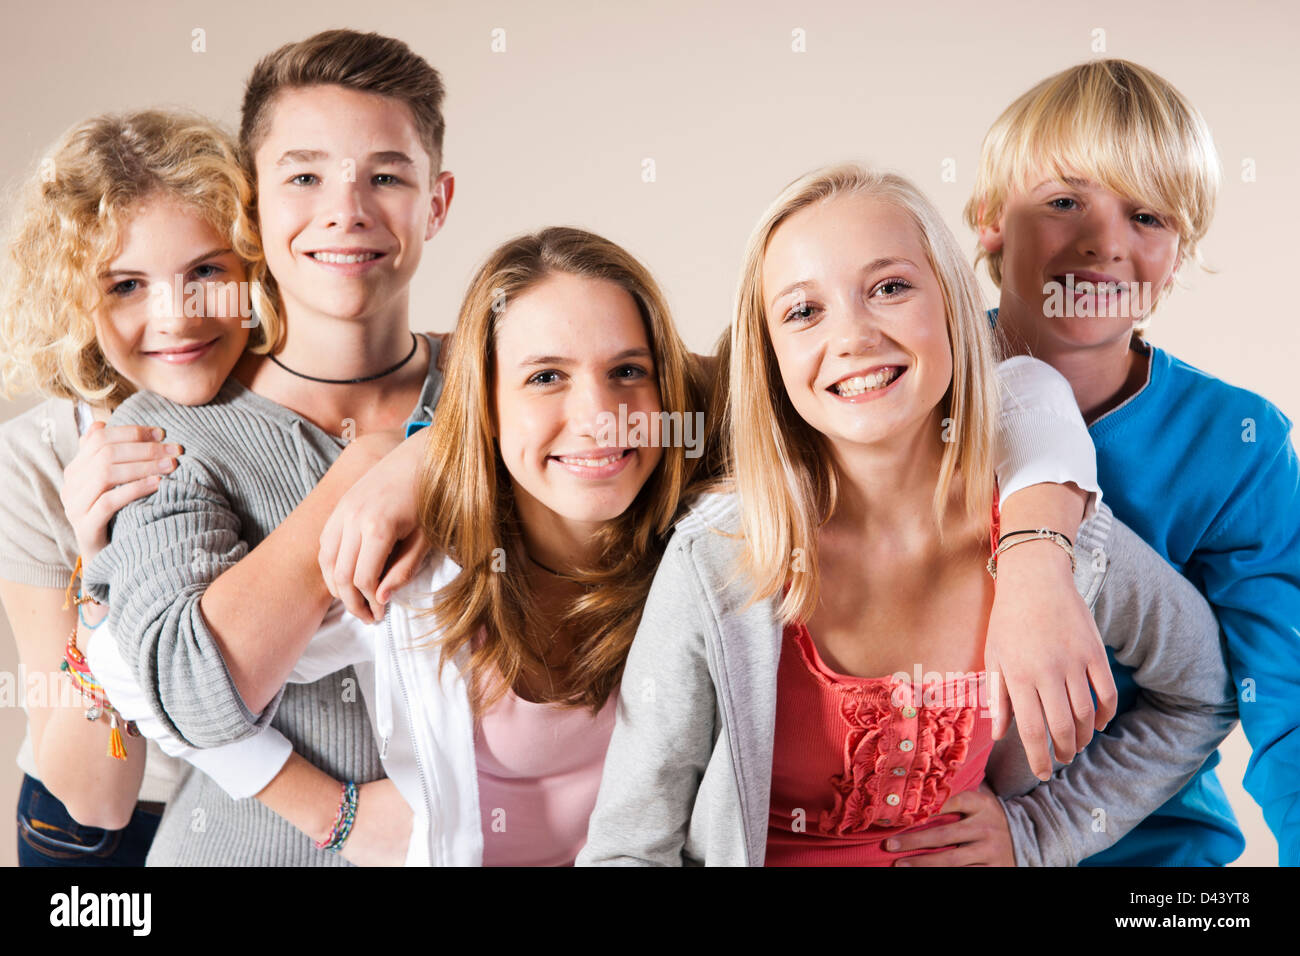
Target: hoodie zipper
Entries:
(410, 723)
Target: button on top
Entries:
(905, 745)
(892, 800)
(899, 771)
(909, 712)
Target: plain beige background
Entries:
(561, 126)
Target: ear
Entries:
(439, 203)
(990, 234)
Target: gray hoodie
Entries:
(688, 773)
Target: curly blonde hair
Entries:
(68, 226)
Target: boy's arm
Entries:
(200, 658)
(1157, 623)
(663, 734)
(1043, 648)
(1248, 567)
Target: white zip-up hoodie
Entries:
(422, 719)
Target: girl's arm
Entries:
(1157, 623)
(664, 731)
(71, 752)
(1043, 646)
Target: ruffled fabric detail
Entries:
(940, 729)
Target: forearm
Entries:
(72, 753)
(305, 796)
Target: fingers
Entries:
(328, 554)
(344, 573)
(1060, 719)
(1081, 704)
(1029, 720)
(1103, 685)
(945, 834)
(373, 555)
(999, 699)
(410, 556)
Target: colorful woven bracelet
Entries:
(92, 691)
(347, 815)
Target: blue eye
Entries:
(297, 180)
(800, 313)
(1056, 203)
(125, 287)
(536, 379)
(208, 270)
(1151, 220)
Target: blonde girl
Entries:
(132, 264)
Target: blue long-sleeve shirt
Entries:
(1207, 474)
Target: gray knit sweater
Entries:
(248, 463)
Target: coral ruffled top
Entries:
(857, 760)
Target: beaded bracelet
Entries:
(1042, 534)
(92, 691)
(347, 815)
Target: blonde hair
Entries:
(467, 506)
(1116, 123)
(69, 225)
(782, 468)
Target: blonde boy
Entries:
(1094, 190)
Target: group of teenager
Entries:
(293, 584)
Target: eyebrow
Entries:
(873, 266)
(386, 156)
(1074, 182)
(562, 360)
(185, 268)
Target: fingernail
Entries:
(891, 844)
(157, 434)
(902, 863)
(172, 449)
(167, 464)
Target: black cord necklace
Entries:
(415, 344)
(544, 567)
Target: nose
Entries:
(857, 328)
(1104, 235)
(589, 400)
(348, 208)
(176, 307)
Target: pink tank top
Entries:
(539, 769)
(857, 760)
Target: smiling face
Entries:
(170, 321)
(345, 201)
(567, 350)
(1080, 263)
(856, 319)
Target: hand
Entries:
(375, 519)
(114, 466)
(982, 837)
(1047, 657)
(381, 832)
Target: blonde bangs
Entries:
(1112, 122)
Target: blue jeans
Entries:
(48, 836)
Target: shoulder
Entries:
(1185, 383)
(45, 433)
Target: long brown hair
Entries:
(467, 504)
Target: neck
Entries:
(886, 490)
(328, 347)
(554, 541)
(1102, 376)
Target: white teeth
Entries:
(338, 259)
(593, 462)
(866, 383)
